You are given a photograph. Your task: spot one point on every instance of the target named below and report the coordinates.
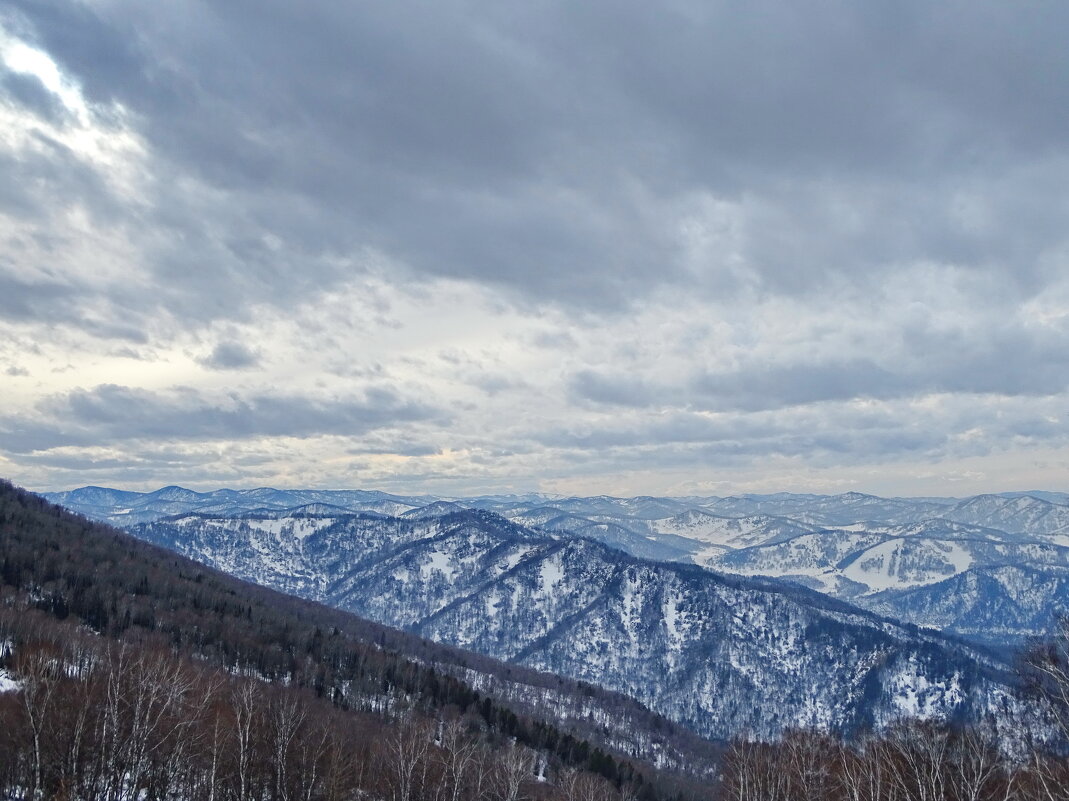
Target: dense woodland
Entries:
(133, 673)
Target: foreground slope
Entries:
(67, 582)
(720, 654)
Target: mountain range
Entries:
(991, 568)
(720, 654)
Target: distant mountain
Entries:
(828, 510)
(728, 532)
(436, 509)
(888, 569)
(1020, 515)
(94, 497)
(123, 508)
(993, 604)
(1061, 498)
(640, 508)
(716, 653)
(633, 536)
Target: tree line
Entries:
(105, 719)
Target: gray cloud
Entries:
(546, 150)
(230, 356)
(110, 413)
(616, 390)
(917, 358)
(28, 92)
(1002, 361)
(20, 299)
(858, 206)
(842, 435)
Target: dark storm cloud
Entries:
(545, 148)
(110, 413)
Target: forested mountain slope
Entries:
(720, 654)
(172, 664)
(896, 556)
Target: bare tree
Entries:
(753, 771)
(405, 753)
(459, 755)
(286, 715)
(39, 671)
(245, 710)
(512, 771)
(919, 760)
(864, 772)
(807, 758)
(979, 769)
(577, 785)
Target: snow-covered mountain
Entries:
(1024, 514)
(888, 569)
(993, 604)
(829, 510)
(851, 546)
(720, 654)
(887, 557)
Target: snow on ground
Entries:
(895, 565)
(551, 574)
(300, 527)
(7, 683)
(708, 554)
(440, 562)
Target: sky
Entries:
(678, 248)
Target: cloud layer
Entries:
(601, 247)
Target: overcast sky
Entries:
(687, 247)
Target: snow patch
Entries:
(551, 574)
(440, 562)
(7, 684)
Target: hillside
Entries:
(879, 553)
(718, 654)
(87, 613)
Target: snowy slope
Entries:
(851, 546)
(720, 654)
(1023, 514)
(995, 604)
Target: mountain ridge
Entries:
(476, 580)
(735, 533)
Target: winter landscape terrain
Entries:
(681, 371)
(438, 646)
(753, 613)
(993, 569)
